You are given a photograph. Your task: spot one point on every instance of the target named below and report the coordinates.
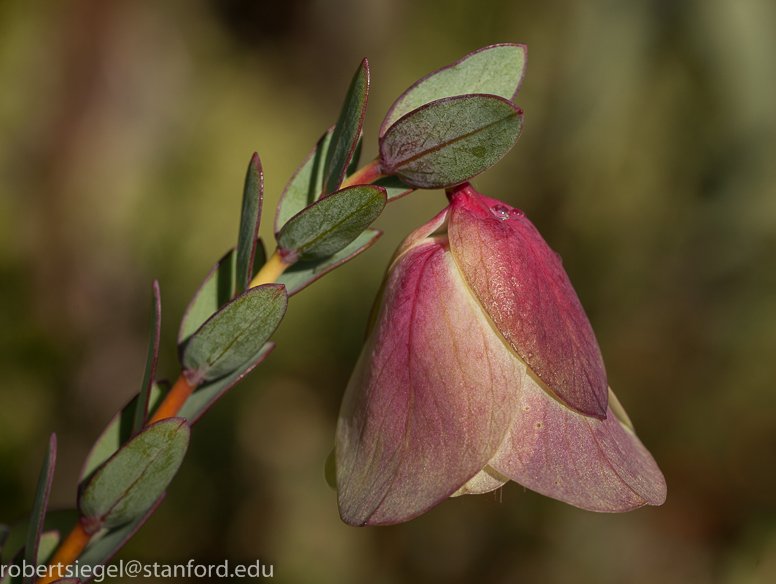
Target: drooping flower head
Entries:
(482, 367)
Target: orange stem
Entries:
(365, 175)
(174, 400)
(270, 271)
(67, 553)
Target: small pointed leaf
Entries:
(216, 289)
(249, 223)
(450, 140)
(495, 70)
(130, 482)
(302, 274)
(232, 336)
(331, 223)
(347, 130)
(39, 506)
(141, 412)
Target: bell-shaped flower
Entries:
(481, 367)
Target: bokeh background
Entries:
(647, 162)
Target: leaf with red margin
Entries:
(302, 274)
(128, 484)
(250, 217)
(231, 338)
(141, 413)
(39, 506)
(451, 140)
(347, 131)
(495, 70)
(331, 223)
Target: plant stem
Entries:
(365, 175)
(67, 553)
(174, 400)
(270, 271)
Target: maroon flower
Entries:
(482, 368)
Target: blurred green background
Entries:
(647, 162)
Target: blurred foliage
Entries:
(646, 162)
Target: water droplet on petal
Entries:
(516, 213)
(500, 211)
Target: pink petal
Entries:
(523, 287)
(599, 465)
(431, 398)
(485, 481)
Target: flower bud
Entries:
(482, 367)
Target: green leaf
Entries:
(495, 70)
(449, 141)
(141, 412)
(209, 392)
(353, 166)
(119, 431)
(306, 186)
(49, 541)
(394, 188)
(302, 274)
(347, 130)
(234, 334)
(39, 506)
(130, 482)
(104, 545)
(216, 289)
(57, 521)
(331, 223)
(250, 218)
